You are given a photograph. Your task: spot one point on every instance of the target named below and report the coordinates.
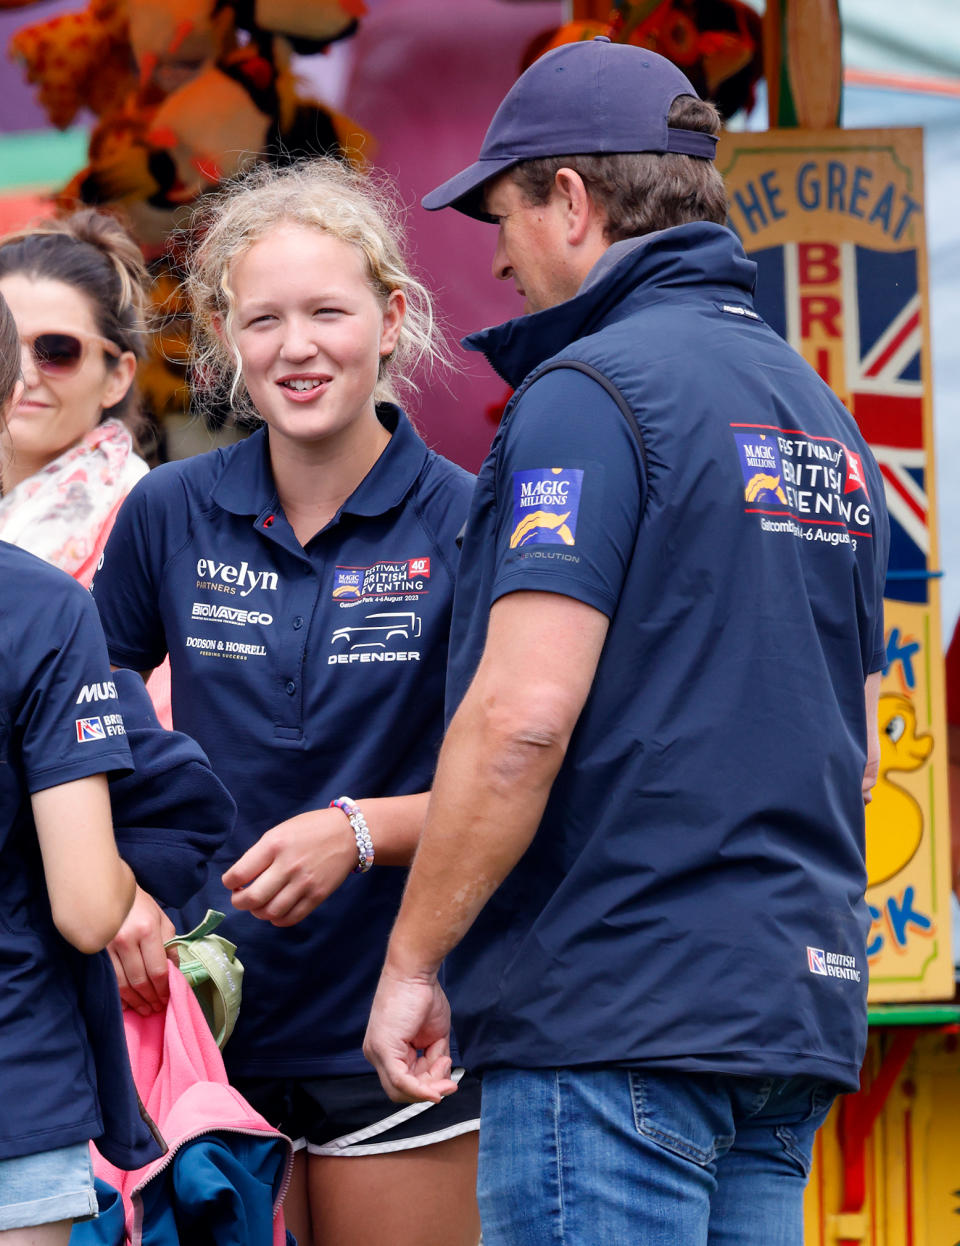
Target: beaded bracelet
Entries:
(360, 830)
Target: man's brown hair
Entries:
(640, 192)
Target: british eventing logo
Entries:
(816, 961)
(90, 729)
(832, 964)
(387, 581)
(855, 477)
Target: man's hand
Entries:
(139, 957)
(871, 771)
(408, 1038)
(293, 867)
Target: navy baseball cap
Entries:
(581, 98)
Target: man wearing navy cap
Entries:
(645, 847)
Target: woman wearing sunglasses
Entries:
(67, 460)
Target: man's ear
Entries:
(581, 215)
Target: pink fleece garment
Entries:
(182, 1083)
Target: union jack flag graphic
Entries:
(816, 961)
(869, 302)
(90, 729)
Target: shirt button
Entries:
(291, 687)
(298, 622)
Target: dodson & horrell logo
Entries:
(546, 501)
(217, 573)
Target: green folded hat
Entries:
(209, 963)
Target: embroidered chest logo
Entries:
(382, 582)
(546, 502)
(810, 487)
(89, 729)
(379, 636)
(832, 964)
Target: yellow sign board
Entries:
(835, 221)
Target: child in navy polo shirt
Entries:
(62, 881)
(301, 582)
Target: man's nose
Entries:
(502, 268)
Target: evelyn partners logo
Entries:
(546, 501)
(224, 577)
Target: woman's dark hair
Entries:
(93, 253)
(9, 355)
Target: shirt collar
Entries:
(700, 255)
(246, 485)
(391, 478)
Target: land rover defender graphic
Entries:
(377, 629)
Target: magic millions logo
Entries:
(348, 584)
(546, 502)
(762, 469)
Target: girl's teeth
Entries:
(301, 385)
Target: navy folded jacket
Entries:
(169, 817)
(172, 813)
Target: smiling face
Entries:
(311, 332)
(55, 412)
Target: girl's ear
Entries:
(393, 316)
(219, 327)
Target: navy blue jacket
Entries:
(61, 719)
(169, 816)
(693, 898)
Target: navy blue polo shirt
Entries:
(305, 674)
(693, 898)
(59, 721)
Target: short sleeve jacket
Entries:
(305, 674)
(59, 721)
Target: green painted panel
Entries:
(41, 157)
(914, 1014)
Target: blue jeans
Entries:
(617, 1157)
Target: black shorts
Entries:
(352, 1116)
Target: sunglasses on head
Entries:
(62, 354)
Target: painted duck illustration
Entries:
(894, 817)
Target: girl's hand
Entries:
(139, 957)
(293, 867)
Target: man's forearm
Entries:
(490, 791)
